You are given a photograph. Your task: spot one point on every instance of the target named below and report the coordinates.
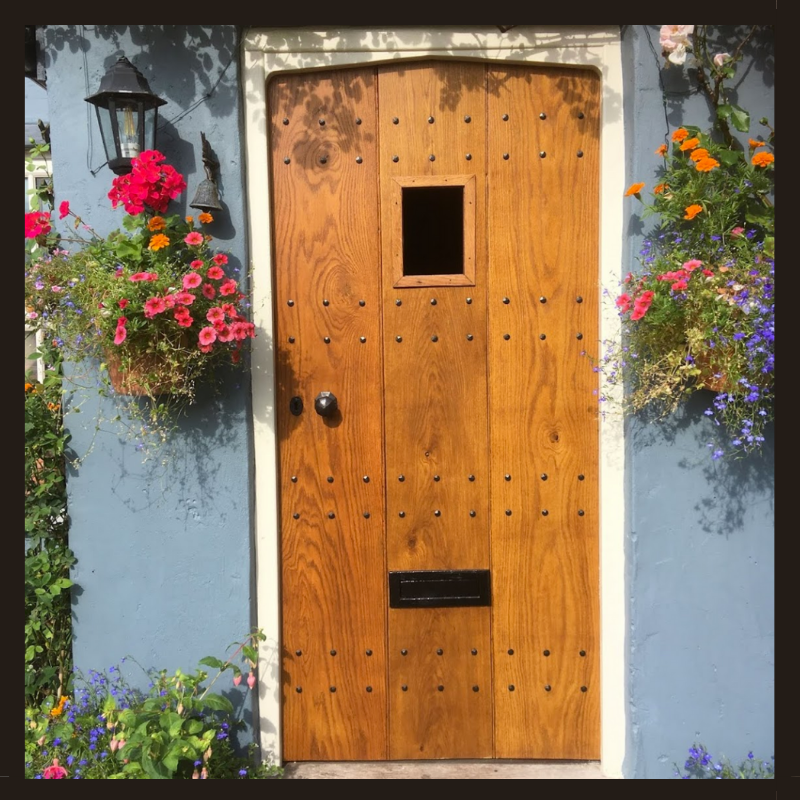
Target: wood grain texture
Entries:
(544, 246)
(426, 722)
(333, 575)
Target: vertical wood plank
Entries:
(543, 161)
(333, 574)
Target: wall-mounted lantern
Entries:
(127, 112)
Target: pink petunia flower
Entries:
(207, 336)
(193, 238)
(55, 770)
(215, 315)
(220, 259)
(122, 303)
(153, 306)
(693, 264)
(229, 287)
(679, 286)
(215, 273)
(224, 332)
(191, 280)
(120, 335)
(196, 264)
(737, 232)
(63, 209)
(209, 292)
(184, 320)
(624, 302)
(184, 298)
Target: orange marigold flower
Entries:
(205, 217)
(28, 387)
(662, 150)
(190, 220)
(692, 211)
(680, 135)
(634, 188)
(755, 143)
(707, 164)
(696, 155)
(660, 188)
(157, 224)
(158, 241)
(690, 144)
(763, 159)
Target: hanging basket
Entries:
(711, 377)
(134, 380)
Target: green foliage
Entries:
(178, 729)
(48, 559)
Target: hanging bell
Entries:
(206, 197)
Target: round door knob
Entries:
(325, 404)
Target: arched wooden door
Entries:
(436, 261)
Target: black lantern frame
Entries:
(127, 113)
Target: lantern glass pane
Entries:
(107, 132)
(150, 116)
(127, 122)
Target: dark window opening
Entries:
(433, 230)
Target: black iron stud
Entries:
(362, 303)
(369, 688)
(545, 653)
(545, 512)
(542, 336)
(398, 338)
(510, 651)
(431, 120)
(506, 336)
(469, 301)
(359, 160)
(580, 115)
(440, 687)
(580, 153)
(366, 515)
(584, 688)
(506, 300)
(433, 301)
(543, 476)
(287, 160)
(472, 477)
(507, 477)
(330, 478)
(468, 156)
(579, 336)
(333, 689)
(294, 478)
(291, 340)
(542, 115)
(395, 121)
(331, 515)
(358, 120)
(508, 512)
(436, 478)
(290, 303)
(362, 339)
(298, 652)
(431, 157)
(327, 340)
(582, 653)
(404, 688)
(333, 652)
(404, 652)
(440, 652)
(511, 687)
(474, 651)
(437, 513)
(395, 159)
(578, 299)
(299, 689)
(322, 122)
(366, 479)
(505, 156)
(542, 299)
(505, 117)
(542, 154)
(468, 118)
(434, 338)
(475, 689)
(286, 120)
(547, 687)
(398, 302)
(469, 337)
(323, 159)
(581, 512)
(295, 515)
(401, 514)
(581, 477)
(401, 478)
(472, 513)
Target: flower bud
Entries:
(237, 679)
(195, 775)
(251, 680)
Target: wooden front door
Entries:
(436, 262)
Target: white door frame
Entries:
(270, 50)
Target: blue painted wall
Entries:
(700, 540)
(165, 550)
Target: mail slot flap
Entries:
(439, 588)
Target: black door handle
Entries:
(325, 404)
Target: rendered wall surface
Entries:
(164, 550)
(700, 545)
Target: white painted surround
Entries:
(268, 51)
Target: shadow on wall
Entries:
(732, 488)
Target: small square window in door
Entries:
(434, 231)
